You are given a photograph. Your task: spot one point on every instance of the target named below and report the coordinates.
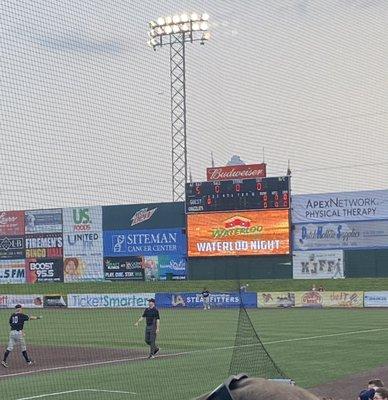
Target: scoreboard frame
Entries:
(232, 195)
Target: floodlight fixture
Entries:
(175, 31)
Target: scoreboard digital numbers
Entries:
(247, 194)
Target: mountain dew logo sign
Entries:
(82, 220)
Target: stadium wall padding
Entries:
(271, 267)
(366, 263)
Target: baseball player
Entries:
(16, 336)
(206, 299)
(151, 315)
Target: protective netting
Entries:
(249, 353)
(85, 121)
(85, 104)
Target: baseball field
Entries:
(99, 354)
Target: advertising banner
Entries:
(82, 219)
(83, 256)
(144, 242)
(236, 172)
(275, 299)
(126, 300)
(26, 300)
(12, 247)
(164, 267)
(343, 206)
(54, 300)
(83, 244)
(194, 300)
(43, 221)
(144, 216)
(44, 245)
(312, 299)
(376, 299)
(12, 271)
(238, 233)
(323, 264)
(329, 299)
(11, 223)
(47, 270)
(82, 269)
(341, 235)
(124, 268)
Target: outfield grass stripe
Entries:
(41, 396)
(326, 336)
(185, 353)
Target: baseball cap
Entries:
(151, 299)
(18, 306)
(367, 394)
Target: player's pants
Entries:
(206, 303)
(16, 337)
(150, 338)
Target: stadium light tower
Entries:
(175, 31)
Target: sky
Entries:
(85, 104)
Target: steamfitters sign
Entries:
(344, 206)
(238, 233)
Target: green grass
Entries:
(362, 284)
(311, 346)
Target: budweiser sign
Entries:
(142, 215)
(250, 171)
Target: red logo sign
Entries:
(142, 215)
(11, 223)
(250, 171)
(237, 221)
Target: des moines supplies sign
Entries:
(341, 235)
(238, 233)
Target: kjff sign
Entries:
(236, 172)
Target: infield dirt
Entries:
(51, 358)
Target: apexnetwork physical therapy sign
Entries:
(343, 206)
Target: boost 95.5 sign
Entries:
(239, 233)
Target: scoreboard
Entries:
(247, 194)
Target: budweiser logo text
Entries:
(236, 172)
(142, 215)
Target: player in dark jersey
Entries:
(206, 299)
(151, 315)
(16, 336)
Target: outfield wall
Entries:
(193, 300)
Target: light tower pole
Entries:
(175, 31)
